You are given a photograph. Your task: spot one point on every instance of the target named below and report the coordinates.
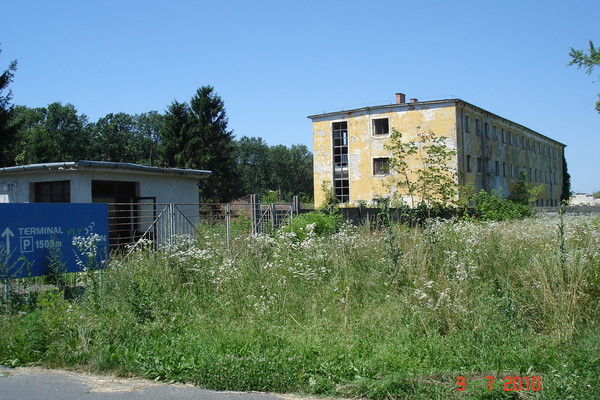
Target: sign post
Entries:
(34, 237)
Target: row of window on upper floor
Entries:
(512, 138)
(381, 126)
(534, 175)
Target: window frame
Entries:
(52, 191)
(381, 166)
(374, 129)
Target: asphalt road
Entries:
(38, 383)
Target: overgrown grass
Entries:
(394, 313)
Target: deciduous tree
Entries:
(124, 138)
(422, 168)
(588, 61)
(53, 134)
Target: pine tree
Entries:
(8, 128)
(196, 136)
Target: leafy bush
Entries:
(493, 207)
(319, 222)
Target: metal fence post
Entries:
(171, 223)
(295, 206)
(228, 224)
(256, 214)
(273, 217)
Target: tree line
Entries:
(190, 134)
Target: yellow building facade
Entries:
(351, 158)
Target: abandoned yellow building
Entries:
(351, 158)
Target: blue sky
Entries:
(276, 62)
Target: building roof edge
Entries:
(107, 165)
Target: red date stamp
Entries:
(510, 383)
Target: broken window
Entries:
(381, 166)
(381, 126)
(341, 178)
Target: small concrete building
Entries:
(132, 191)
(98, 182)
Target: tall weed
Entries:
(385, 313)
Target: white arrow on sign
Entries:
(8, 234)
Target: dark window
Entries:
(341, 178)
(469, 167)
(487, 130)
(381, 166)
(122, 213)
(477, 126)
(381, 126)
(53, 192)
(113, 192)
(467, 124)
(479, 165)
(497, 168)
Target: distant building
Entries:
(582, 199)
(131, 190)
(349, 149)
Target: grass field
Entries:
(398, 313)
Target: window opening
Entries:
(53, 192)
(341, 178)
(381, 166)
(381, 126)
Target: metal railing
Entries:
(160, 223)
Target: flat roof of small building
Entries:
(108, 166)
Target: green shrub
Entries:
(493, 207)
(319, 222)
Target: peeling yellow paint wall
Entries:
(364, 146)
(506, 148)
(496, 149)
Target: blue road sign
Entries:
(37, 238)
